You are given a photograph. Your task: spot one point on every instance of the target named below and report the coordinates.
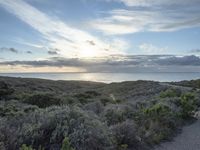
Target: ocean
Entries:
(110, 77)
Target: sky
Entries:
(99, 36)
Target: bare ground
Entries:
(189, 139)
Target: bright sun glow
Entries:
(88, 53)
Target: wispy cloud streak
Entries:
(149, 15)
(71, 41)
(12, 50)
(149, 3)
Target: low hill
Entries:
(132, 115)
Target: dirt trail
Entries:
(189, 139)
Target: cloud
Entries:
(31, 44)
(195, 51)
(180, 61)
(91, 43)
(13, 50)
(52, 62)
(152, 49)
(71, 41)
(117, 63)
(149, 15)
(28, 52)
(149, 3)
(52, 52)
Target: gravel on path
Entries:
(189, 139)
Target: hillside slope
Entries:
(134, 115)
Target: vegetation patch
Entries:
(91, 116)
(42, 100)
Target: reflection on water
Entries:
(108, 77)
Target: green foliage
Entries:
(157, 123)
(157, 111)
(47, 127)
(14, 108)
(125, 135)
(42, 100)
(69, 100)
(97, 107)
(66, 144)
(170, 93)
(25, 147)
(107, 100)
(40, 148)
(132, 118)
(117, 113)
(92, 93)
(158, 137)
(117, 101)
(86, 96)
(188, 104)
(5, 90)
(123, 147)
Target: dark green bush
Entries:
(88, 132)
(123, 116)
(69, 100)
(92, 93)
(157, 111)
(87, 96)
(125, 135)
(188, 104)
(66, 144)
(157, 123)
(170, 93)
(95, 107)
(117, 113)
(14, 108)
(25, 147)
(42, 100)
(5, 90)
(105, 101)
(48, 127)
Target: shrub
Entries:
(170, 93)
(105, 101)
(96, 107)
(188, 104)
(5, 90)
(157, 123)
(125, 135)
(14, 108)
(48, 127)
(83, 98)
(86, 96)
(69, 100)
(86, 132)
(114, 114)
(66, 144)
(157, 111)
(123, 147)
(42, 100)
(34, 128)
(92, 93)
(2, 146)
(24, 147)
